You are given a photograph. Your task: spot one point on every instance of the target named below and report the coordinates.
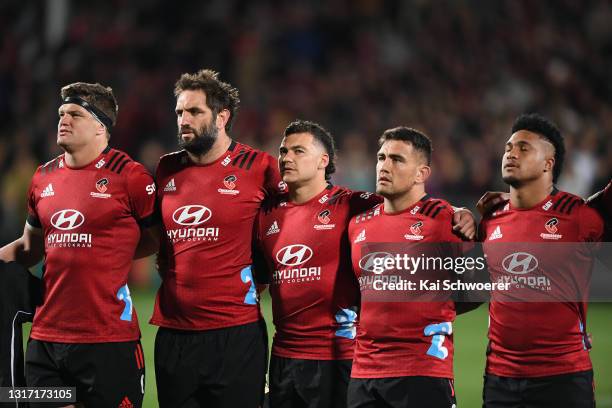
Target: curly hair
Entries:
(538, 124)
(219, 95)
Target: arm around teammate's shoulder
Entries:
(142, 197)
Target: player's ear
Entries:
(101, 130)
(549, 164)
(423, 173)
(323, 161)
(222, 119)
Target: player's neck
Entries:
(303, 193)
(398, 204)
(530, 194)
(217, 150)
(82, 157)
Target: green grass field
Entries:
(470, 343)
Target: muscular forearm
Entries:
(19, 251)
(26, 250)
(149, 242)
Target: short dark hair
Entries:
(219, 95)
(101, 97)
(536, 123)
(419, 141)
(319, 133)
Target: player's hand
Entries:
(464, 223)
(490, 199)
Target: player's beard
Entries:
(203, 139)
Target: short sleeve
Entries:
(141, 191)
(33, 219)
(273, 183)
(445, 220)
(362, 201)
(260, 266)
(590, 223)
(258, 225)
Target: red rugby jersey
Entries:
(402, 338)
(91, 219)
(209, 214)
(315, 296)
(540, 338)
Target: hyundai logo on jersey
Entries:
(191, 215)
(520, 263)
(367, 262)
(293, 255)
(67, 219)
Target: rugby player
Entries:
(404, 349)
(538, 352)
(211, 347)
(315, 297)
(88, 209)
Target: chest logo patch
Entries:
(66, 220)
(170, 186)
(274, 229)
(323, 218)
(520, 263)
(230, 181)
(293, 255)
(48, 191)
(230, 185)
(369, 262)
(101, 185)
(191, 215)
(551, 227)
(496, 234)
(415, 232)
(361, 236)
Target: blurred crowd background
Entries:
(461, 71)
